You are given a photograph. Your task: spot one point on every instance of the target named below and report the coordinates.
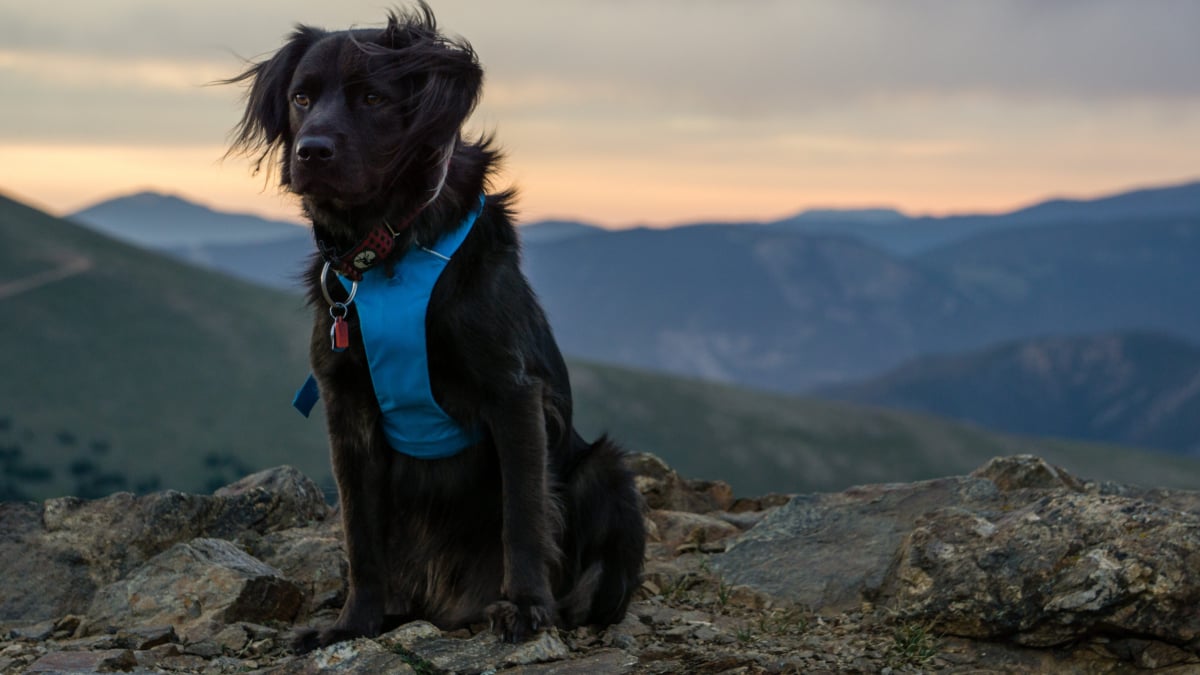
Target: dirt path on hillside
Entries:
(70, 268)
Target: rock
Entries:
(662, 488)
(205, 649)
(355, 656)
(608, 661)
(66, 626)
(266, 501)
(58, 554)
(1065, 566)
(192, 584)
(107, 661)
(1019, 567)
(233, 639)
(826, 550)
(36, 632)
(486, 652)
(678, 527)
(313, 557)
(1150, 654)
(40, 579)
(1026, 472)
(143, 638)
(1020, 550)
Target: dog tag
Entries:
(339, 334)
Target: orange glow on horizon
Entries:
(613, 193)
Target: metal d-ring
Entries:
(325, 289)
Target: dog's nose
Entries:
(314, 149)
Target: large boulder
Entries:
(1051, 571)
(197, 587)
(59, 553)
(829, 551)
(1019, 550)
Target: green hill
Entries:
(762, 442)
(122, 369)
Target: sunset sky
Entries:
(626, 112)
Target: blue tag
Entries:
(306, 396)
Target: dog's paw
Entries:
(304, 640)
(517, 622)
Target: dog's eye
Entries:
(372, 99)
(301, 99)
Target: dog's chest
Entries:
(391, 313)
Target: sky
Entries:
(651, 112)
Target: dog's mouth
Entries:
(329, 193)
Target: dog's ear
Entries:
(264, 125)
(446, 71)
(448, 95)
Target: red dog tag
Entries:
(340, 334)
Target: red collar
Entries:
(369, 251)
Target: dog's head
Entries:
(363, 119)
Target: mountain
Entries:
(129, 370)
(277, 263)
(788, 309)
(544, 231)
(776, 308)
(749, 304)
(1132, 388)
(1084, 277)
(902, 235)
(1176, 201)
(244, 246)
(159, 221)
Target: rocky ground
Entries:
(1016, 568)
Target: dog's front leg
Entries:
(518, 426)
(362, 472)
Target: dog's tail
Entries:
(606, 537)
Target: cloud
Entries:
(704, 97)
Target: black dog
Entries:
(479, 501)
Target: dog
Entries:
(466, 495)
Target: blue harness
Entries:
(391, 316)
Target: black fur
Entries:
(531, 527)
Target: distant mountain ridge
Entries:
(244, 246)
(161, 221)
(749, 304)
(907, 235)
(820, 299)
(1133, 388)
(142, 373)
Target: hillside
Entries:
(124, 369)
(748, 304)
(1133, 388)
(244, 246)
(762, 442)
(828, 296)
(132, 371)
(1087, 277)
